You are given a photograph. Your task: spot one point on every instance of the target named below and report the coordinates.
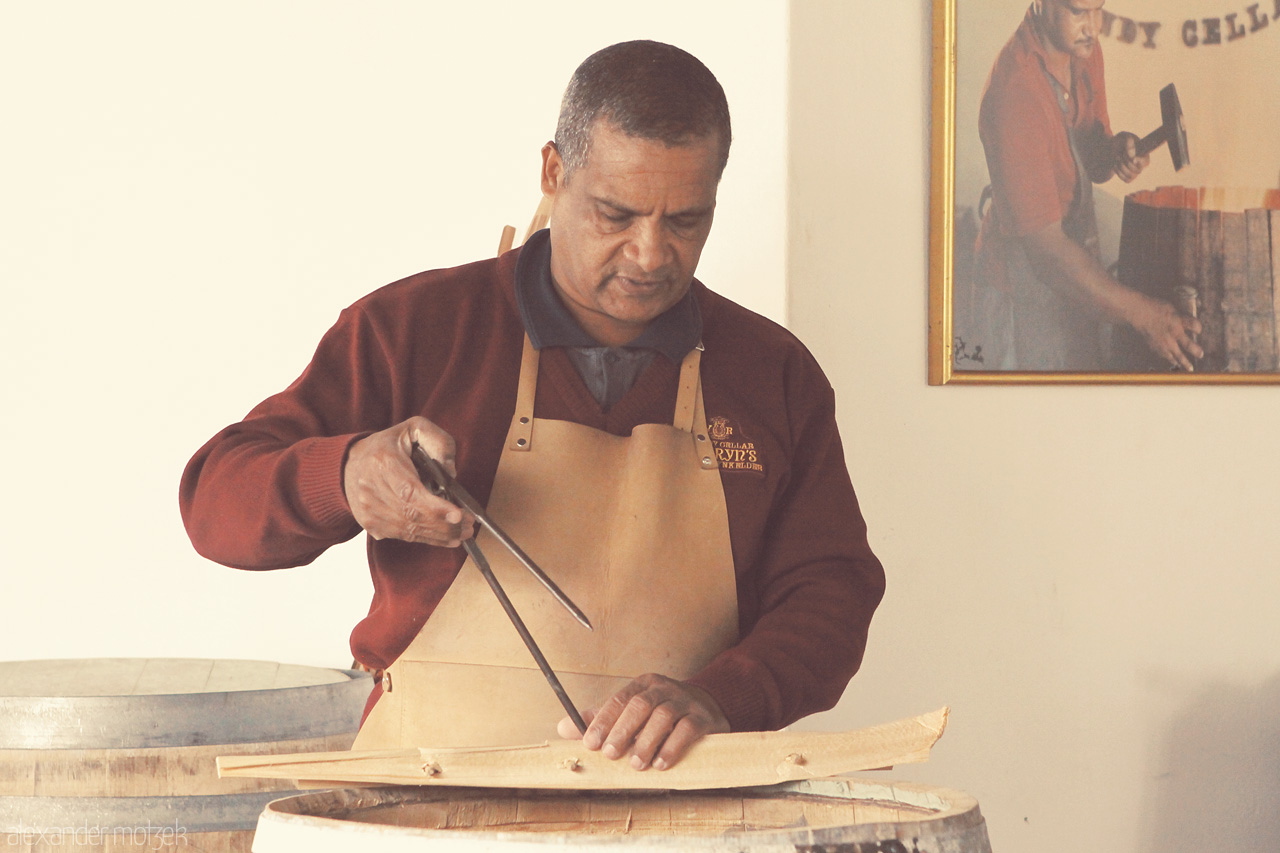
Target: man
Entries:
(720, 552)
(1044, 293)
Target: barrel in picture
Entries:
(1213, 254)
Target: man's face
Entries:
(1071, 26)
(627, 228)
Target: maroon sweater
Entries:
(266, 493)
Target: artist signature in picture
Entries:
(961, 351)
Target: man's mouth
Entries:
(630, 283)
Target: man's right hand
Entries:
(389, 500)
(1168, 333)
(1078, 275)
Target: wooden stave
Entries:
(125, 772)
(957, 827)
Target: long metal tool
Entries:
(483, 565)
(435, 478)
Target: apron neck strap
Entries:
(689, 416)
(687, 396)
(520, 436)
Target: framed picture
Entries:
(1105, 192)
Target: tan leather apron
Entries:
(635, 531)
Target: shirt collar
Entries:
(549, 324)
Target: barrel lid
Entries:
(123, 703)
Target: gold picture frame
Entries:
(1185, 31)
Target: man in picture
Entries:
(668, 457)
(1044, 296)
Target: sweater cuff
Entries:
(737, 688)
(320, 464)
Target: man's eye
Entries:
(617, 218)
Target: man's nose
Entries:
(1093, 23)
(648, 247)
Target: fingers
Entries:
(1180, 360)
(1184, 345)
(388, 499)
(655, 719)
(1128, 163)
(601, 731)
(683, 736)
(568, 730)
(1170, 334)
(438, 444)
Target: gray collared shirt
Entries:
(609, 372)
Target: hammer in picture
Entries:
(1171, 130)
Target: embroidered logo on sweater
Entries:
(734, 450)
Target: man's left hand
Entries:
(1128, 165)
(654, 718)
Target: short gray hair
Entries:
(648, 90)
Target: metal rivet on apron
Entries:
(702, 438)
(524, 420)
(520, 442)
(386, 682)
(706, 460)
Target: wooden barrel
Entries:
(818, 815)
(1217, 247)
(119, 754)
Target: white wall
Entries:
(189, 193)
(1086, 575)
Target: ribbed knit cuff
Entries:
(739, 692)
(320, 463)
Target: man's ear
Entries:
(552, 170)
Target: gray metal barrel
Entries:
(120, 753)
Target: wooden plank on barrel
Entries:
(1128, 353)
(718, 814)
(1262, 315)
(1258, 259)
(191, 770)
(1137, 223)
(1235, 291)
(716, 761)
(1213, 336)
(611, 814)
(1189, 251)
(554, 815)
(1189, 243)
(1163, 266)
(772, 813)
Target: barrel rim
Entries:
(958, 813)
(182, 719)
